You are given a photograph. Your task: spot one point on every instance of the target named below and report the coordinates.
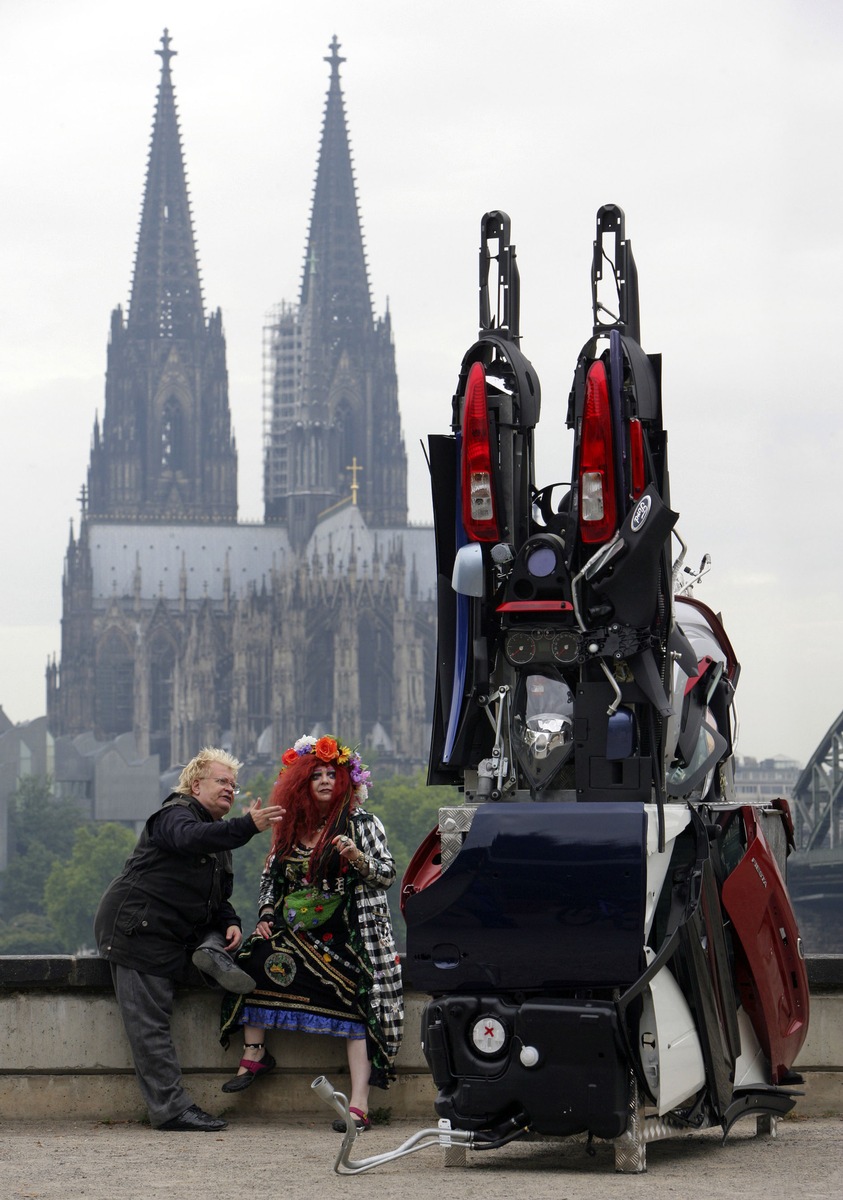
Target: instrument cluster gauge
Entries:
(488, 1035)
(565, 647)
(520, 648)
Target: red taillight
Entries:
(598, 506)
(479, 515)
(636, 456)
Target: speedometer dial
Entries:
(520, 648)
(565, 647)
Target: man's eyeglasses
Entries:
(235, 790)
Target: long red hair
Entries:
(303, 815)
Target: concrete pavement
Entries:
(70, 1160)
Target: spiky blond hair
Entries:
(198, 767)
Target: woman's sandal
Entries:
(361, 1121)
(253, 1068)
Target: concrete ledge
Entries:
(280, 1097)
(54, 970)
(65, 1052)
(825, 972)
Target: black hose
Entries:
(514, 1128)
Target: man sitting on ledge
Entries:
(170, 906)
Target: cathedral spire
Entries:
(332, 401)
(166, 288)
(165, 451)
(335, 282)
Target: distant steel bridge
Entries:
(816, 868)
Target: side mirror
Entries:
(467, 577)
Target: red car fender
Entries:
(769, 960)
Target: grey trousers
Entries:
(146, 1006)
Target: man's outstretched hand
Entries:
(264, 817)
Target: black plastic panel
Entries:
(578, 1082)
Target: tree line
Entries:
(60, 862)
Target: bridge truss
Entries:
(817, 804)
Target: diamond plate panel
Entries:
(454, 824)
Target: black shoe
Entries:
(219, 966)
(194, 1120)
(239, 1083)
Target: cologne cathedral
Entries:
(182, 626)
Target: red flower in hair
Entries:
(289, 757)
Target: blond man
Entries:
(169, 907)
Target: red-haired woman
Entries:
(323, 952)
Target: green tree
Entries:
(29, 933)
(37, 816)
(409, 810)
(22, 883)
(40, 833)
(73, 888)
(249, 859)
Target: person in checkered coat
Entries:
(323, 952)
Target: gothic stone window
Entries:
(115, 685)
(344, 424)
(162, 663)
(172, 436)
(319, 678)
(376, 660)
(258, 693)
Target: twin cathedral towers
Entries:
(182, 626)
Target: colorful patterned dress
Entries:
(330, 966)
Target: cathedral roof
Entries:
(161, 559)
(343, 537)
(166, 298)
(199, 555)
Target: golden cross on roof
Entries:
(355, 486)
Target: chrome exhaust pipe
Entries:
(443, 1136)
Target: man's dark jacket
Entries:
(173, 890)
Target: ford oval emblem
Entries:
(641, 513)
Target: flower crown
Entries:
(327, 750)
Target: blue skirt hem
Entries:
(301, 1022)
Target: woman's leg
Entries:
(253, 1047)
(360, 1069)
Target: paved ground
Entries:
(73, 1160)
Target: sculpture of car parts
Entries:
(604, 930)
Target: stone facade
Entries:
(182, 626)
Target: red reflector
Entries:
(636, 456)
(598, 506)
(532, 606)
(479, 515)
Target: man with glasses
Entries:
(171, 906)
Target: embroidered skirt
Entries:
(308, 979)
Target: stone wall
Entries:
(65, 1054)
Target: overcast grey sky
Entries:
(716, 126)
